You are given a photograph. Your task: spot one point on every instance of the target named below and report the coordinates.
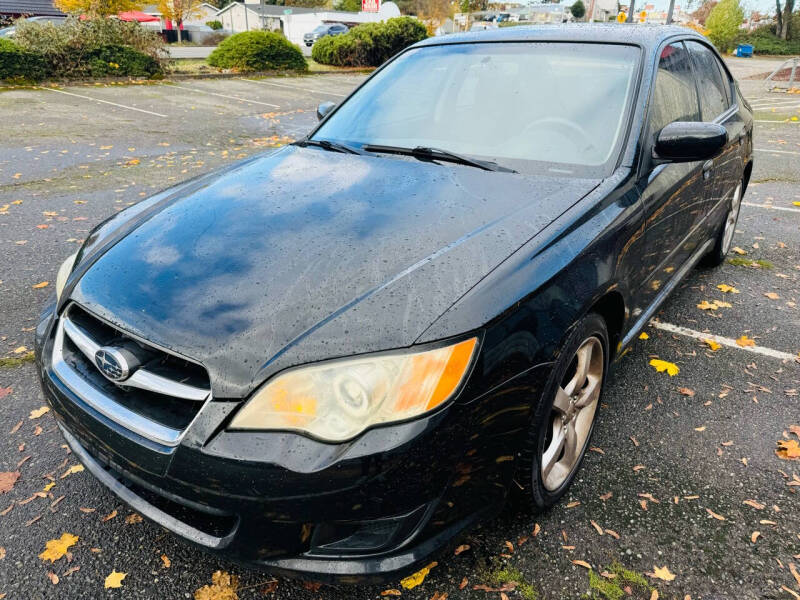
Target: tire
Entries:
(546, 471)
(724, 240)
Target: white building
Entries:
(293, 21)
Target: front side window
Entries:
(714, 97)
(674, 95)
(533, 107)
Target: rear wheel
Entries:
(564, 420)
(725, 236)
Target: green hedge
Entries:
(764, 41)
(121, 60)
(16, 63)
(369, 44)
(257, 51)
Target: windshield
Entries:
(533, 107)
(320, 29)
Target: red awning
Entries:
(135, 15)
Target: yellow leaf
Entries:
(663, 365)
(796, 203)
(745, 341)
(738, 250)
(55, 549)
(49, 486)
(41, 285)
(644, 336)
(414, 580)
(654, 595)
(662, 573)
(722, 304)
(223, 587)
(20, 350)
(712, 344)
(788, 450)
(35, 414)
(706, 305)
(166, 561)
(114, 580)
(72, 470)
(772, 295)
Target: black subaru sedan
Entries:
(332, 359)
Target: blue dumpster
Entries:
(744, 50)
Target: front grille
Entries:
(157, 397)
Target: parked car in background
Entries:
(8, 32)
(482, 26)
(502, 17)
(324, 30)
(332, 359)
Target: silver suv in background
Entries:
(322, 30)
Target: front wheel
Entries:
(564, 419)
(725, 236)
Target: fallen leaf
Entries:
(461, 548)
(686, 391)
(739, 250)
(715, 515)
(755, 536)
(706, 305)
(573, 504)
(165, 561)
(638, 468)
(223, 587)
(35, 414)
(607, 495)
(52, 577)
(6, 391)
(662, 573)
(109, 516)
(597, 527)
(794, 594)
(72, 570)
(114, 580)
(536, 529)
(700, 429)
(745, 341)
(612, 533)
(463, 584)
(772, 295)
(391, 592)
(582, 563)
(133, 519)
(417, 578)
(714, 346)
(788, 450)
(41, 285)
(644, 336)
(654, 595)
(754, 504)
(663, 365)
(7, 480)
(727, 289)
(55, 549)
(795, 573)
(72, 470)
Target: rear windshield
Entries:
(534, 107)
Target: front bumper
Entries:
(368, 510)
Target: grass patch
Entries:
(749, 262)
(499, 576)
(603, 588)
(15, 361)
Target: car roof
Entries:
(647, 36)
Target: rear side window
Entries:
(714, 89)
(674, 95)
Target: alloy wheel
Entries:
(572, 415)
(730, 219)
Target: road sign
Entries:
(621, 17)
(371, 5)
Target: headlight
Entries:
(63, 272)
(338, 400)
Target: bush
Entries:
(121, 60)
(215, 25)
(16, 63)
(765, 41)
(369, 44)
(68, 48)
(257, 51)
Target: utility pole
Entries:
(669, 12)
(630, 12)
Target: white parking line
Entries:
(185, 87)
(777, 151)
(774, 102)
(295, 87)
(781, 122)
(770, 206)
(698, 335)
(141, 110)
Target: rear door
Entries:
(672, 194)
(716, 92)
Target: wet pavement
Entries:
(673, 461)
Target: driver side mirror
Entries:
(686, 141)
(323, 109)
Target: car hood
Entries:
(304, 254)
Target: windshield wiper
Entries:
(329, 145)
(438, 154)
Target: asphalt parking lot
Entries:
(682, 474)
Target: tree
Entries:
(347, 5)
(701, 14)
(178, 11)
(784, 18)
(723, 23)
(578, 9)
(98, 8)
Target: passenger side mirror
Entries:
(686, 141)
(323, 109)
